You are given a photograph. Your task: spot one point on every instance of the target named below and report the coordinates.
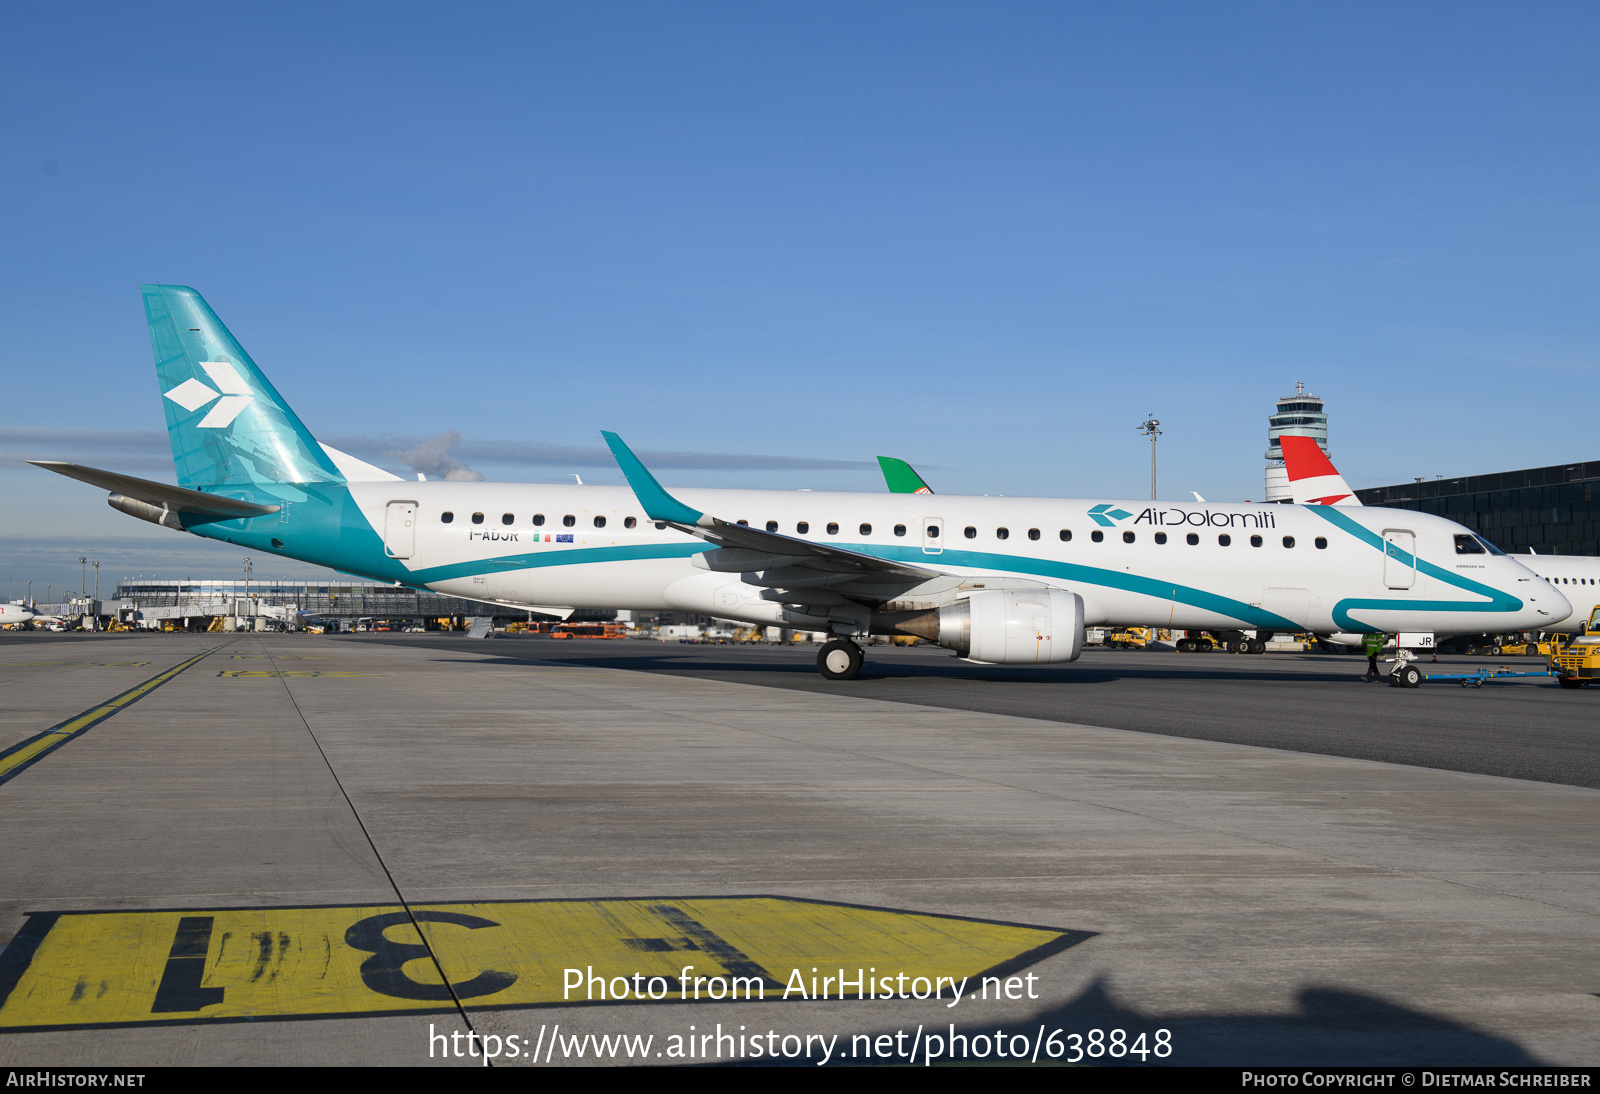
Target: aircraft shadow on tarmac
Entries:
(1330, 1028)
(696, 663)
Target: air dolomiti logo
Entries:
(1106, 515)
(234, 396)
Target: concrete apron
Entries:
(1262, 907)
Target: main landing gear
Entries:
(840, 659)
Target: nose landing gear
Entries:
(840, 659)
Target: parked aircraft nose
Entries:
(1547, 606)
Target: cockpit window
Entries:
(1491, 548)
(1469, 545)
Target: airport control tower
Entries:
(1298, 415)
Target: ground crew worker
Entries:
(1372, 645)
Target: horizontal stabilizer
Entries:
(178, 499)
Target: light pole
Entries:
(96, 580)
(1148, 428)
(83, 577)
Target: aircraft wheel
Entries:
(839, 660)
(1257, 646)
(1409, 677)
(1187, 645)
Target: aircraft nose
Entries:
(1550, 600)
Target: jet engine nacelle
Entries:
(1015, 626)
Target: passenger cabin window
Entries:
(1161, 537)
(1469, 545)
(599, 522)
(1192, 539)
(1066, 535)
(507, 519)
(538, 520)
(866, 529)
(568, 521)
(833, 528)
(446, 518)
(1322, 543)
(970, 532)
(932, 531)
(899, 529)
(772, 526)
(1288, 541)
(1127, 537)
(630, 522)
(477, 518)
(742, 523)
(1002, 533)
(1033, 533)
(1097, 535)
(803, 528)
(1224, 540)
(1255, 541)
(661, 525)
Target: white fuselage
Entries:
(1261, 566)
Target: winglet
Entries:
(658, 504)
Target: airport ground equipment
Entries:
(1478, 676)
(1130, 638)
(1407, 675)
(1579, 663)
(1231, 641)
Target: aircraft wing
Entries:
(785, 562)
(175, 498)
(1313, 480)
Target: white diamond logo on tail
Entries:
(235, 395)
(191, 395)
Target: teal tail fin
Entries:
(227, 423)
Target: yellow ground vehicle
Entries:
(1579, 663)
(1546, 647)
(1131, 638)
(1593, 626)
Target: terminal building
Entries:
(1546, 510)
(194, 605)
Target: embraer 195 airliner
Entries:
(997, 579)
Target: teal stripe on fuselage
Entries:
(1498, 601)
(328, 528)
(1093, 575)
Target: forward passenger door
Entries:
(1399, 558)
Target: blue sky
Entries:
(783, 239)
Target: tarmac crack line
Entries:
(405, 904)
